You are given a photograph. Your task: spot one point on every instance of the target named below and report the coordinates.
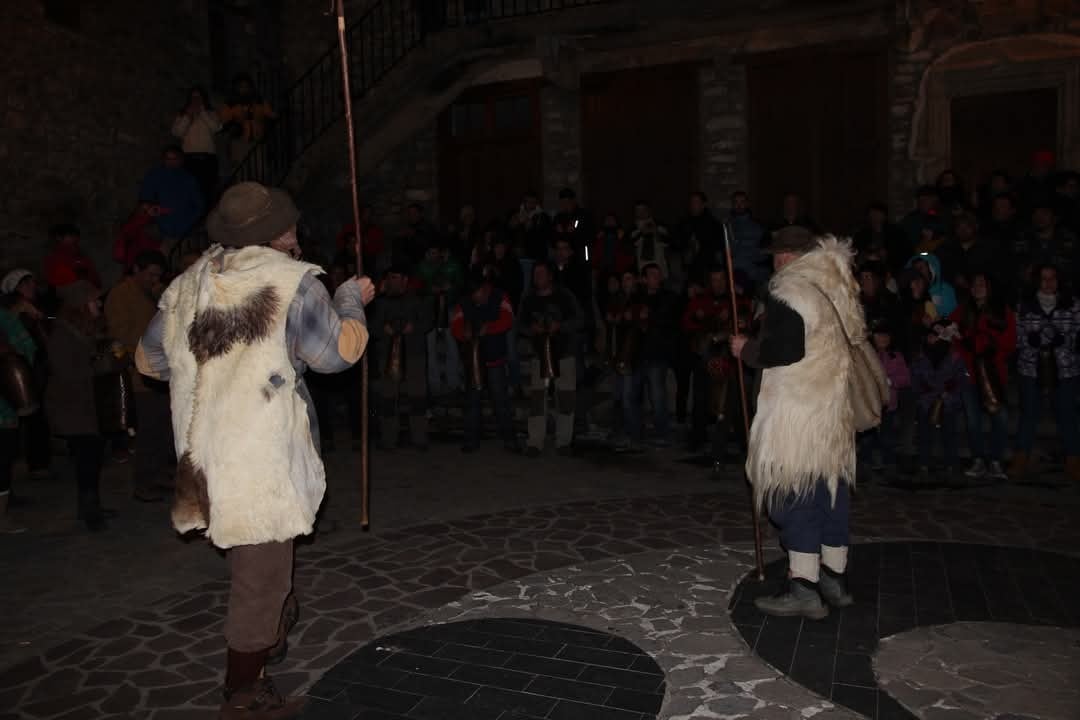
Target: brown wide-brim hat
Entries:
(791, 239)
(251, 214)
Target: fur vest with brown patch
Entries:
(249, 472)
(804, 427)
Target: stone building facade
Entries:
(89, 106)
(935, 51)
(88, 100)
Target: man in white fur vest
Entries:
(801, 459)
(233, 336)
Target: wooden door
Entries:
(818, 126)
(640, 140)
(489, 150)
(1001, 131)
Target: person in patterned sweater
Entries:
(1048, 331)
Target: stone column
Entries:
(723, 130)
(560, 136)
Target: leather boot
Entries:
(800, 600)
(260, 701)
(1072, 468)
(290, 614)
(833, 587)
(250, 695)
(1018, 466)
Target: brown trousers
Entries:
(261, 580)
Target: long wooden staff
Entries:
(365, 479)
(758, 554)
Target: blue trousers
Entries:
(807, 523)
(500, 400)
(1063, 398)
(655, 374)
(999, 426)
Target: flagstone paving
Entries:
(656, 567)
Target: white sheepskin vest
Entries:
(803, 429)
(248, 471)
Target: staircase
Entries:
(381, 39)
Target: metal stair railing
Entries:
(381, 38)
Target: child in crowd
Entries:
(938, 377)
(883, 439)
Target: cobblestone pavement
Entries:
(966, 671)
(127, 624)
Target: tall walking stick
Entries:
(365, 479)
(758, 554)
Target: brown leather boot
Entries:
(250, 695)
(260, 701)
(290, 614)
(1018, 466)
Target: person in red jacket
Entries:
(67, 263)
(485, 315)
(707, 322)
(985, 337)
(137, 236)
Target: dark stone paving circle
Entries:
(165, 661)
(492, 669)
(899, 586)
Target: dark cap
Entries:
(791, 239)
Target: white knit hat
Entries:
(12, 280)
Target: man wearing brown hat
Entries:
(801, 458)
(233, 336)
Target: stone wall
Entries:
(87, 111)
(408, 174)
(560, 134)
(927, 31)
(723, 130)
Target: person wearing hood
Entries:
(941, 293)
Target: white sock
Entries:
(804, 565)
(834, 558)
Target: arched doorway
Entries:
(984, 82)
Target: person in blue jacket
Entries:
(941, 293)
(176, 194)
